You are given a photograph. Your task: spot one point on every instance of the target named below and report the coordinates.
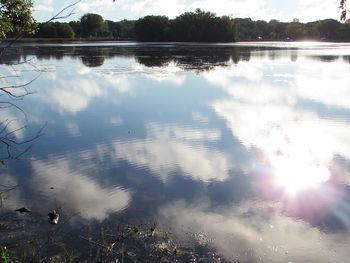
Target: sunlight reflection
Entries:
(296, 144)
(296, 174)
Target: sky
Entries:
(283, 10)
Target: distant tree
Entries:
(201, 26)
(153, 28)
(92, 25)
(127, 29)
(262, 29)
(311, 31)
(75, 25)
(329, 29)
(64, 30)
(248, 29)
(277, 29)
(295, 31)
(47, 31)
(103, 31)
(114, 28)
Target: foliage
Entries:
(198, 26)
(64, 30)
(5, 255)
(153, 28)
(55, 30)
(93, 25)
(328, 29)
(203, 26)
(16, 17)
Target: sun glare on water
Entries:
(295, 175)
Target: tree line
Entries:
(198, 26)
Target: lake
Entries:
(243, 148)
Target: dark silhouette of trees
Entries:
(201, 26)
(198, 26)
(55, 30)
(64, 30)
(93, 25)
(47, 31)
(153, 28)
(328, 29)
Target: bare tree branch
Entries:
(59, 14)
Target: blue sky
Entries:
(284, 10)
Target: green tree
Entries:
(295, 31)
(329, 29)
(64, 30)
(153, 28)
(75, 25)
(127, 29)
(248, 29)
(92, 25)
(16, 17)
(114, 28)
(47, 31)
(201, 26)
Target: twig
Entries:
(58, 15)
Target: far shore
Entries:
(34, 41)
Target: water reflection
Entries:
(288, 137)
(77, 193)
(171, 148)
(255, 232)
(10, 195)
(187, 57)
(253, 141)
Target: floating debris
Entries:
(53, 217)
(23, 210)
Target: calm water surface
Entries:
(247, 144)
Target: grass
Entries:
(117, 242)
(5, 255)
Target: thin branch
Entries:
(15, 96)
(15, 106)
(59, 14)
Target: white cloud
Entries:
(43, 6)
(297, 144)
(256, 9)
(116, 121)
(197, 116)
(74, 95)
(311, 10)
(171, 148)
(77, 192)
(173, 8)
(73, 128)
(324, 83)
(169, 73)
(256, 232)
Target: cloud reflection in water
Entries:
(297, 145)
(255, 232)
(77, 192)
(171, 148)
